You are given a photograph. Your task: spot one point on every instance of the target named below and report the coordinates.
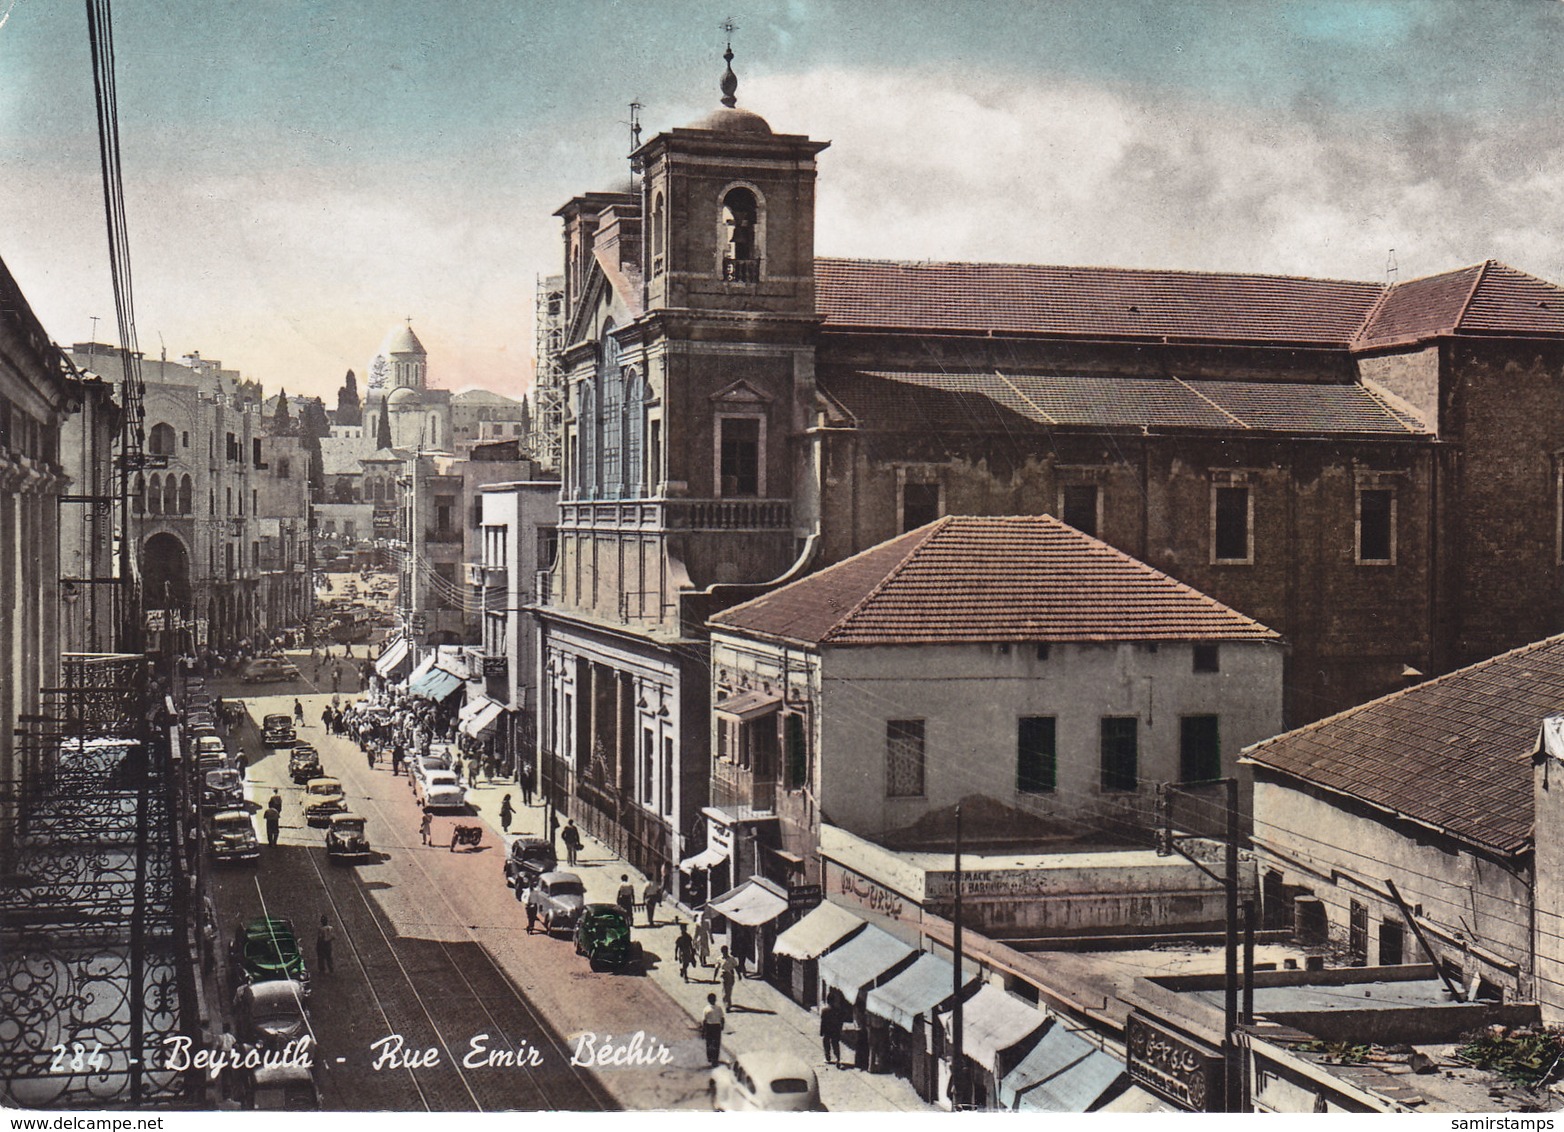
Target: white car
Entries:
(421, 768)
(439, 790)
(211, 745)
(765, 1082)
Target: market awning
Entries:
(752, 903)
(394, 658)
(749, 705)
(480, 717)
(917, 990)
(435, 684)
(818, 932)
(1063, 1073)
(993, 1021)
(708, 858)
(862, 959)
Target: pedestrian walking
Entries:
(336, 679)
(728, 973)
(275, 801)
(831, 1029)
(396, 759)
(711, 1029)
(684, 952)
(506, 813)
(532, 916)
(653, 896)
(456, 768)
(298, 713)
(571, 836)
(703, 942)
(325, 936)
(425, 826)
(273, 824)
(626, 898)
(524, 776)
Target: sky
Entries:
(302, 175)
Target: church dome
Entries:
(403, 398)
(732, 120)
(403, 341)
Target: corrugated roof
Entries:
(981, 402)
(1091, 302)
(965, 579)
(1453, 753)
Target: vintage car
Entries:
(269, 669)
(280, 1088)
(346, 839)
(277, 730)
(270, 1014)
(304, 764)
(210, 745)
(222, 789)
(558, 898)
(440, 790)
(233, 836)
(603, 936)
(528, 859)
(322, 798)
(424, 765)
(765, 1082)
(200, 721)
(265, 949)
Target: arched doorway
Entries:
(165, 572)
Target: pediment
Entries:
(741, 393)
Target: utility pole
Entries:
(956, 1013)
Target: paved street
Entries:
(431, 949)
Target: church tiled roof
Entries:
(1452, 753)
(965, 579)
(1487, 298)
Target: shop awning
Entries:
(752, 903)
(435, 684)
(480, 717)
(917, 990)
(862, 959)
(389, 662)
(1063, 1073)
(749, 705)
(708, 858)
(992, 1022)
(818, 932)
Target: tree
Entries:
(314, 424)
(349, 410)
(282, 422)
(383, 429)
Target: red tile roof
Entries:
(964, 579)
(1453, 753)
(1091, 302)
(1487, 298)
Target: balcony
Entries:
(477, 574)
(677, 514)
(734, 785)
(740, 270)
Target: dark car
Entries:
(277, 731)
(528, 859)
(265, 949)
(558, 898)
(304, 764)
(222, 789)
(232, 836)
(346, 839)
(603, 936)
(268, 669)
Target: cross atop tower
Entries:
(730, 81)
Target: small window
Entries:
(1208, 658)
(1120, 752)
(1392, 943)
(1036, 758)
(1231, 534)
(1357, 934)
(1376, 527)
(1043, 650)
(741, 255)
(184, 440)
(904, 758)
(1199, 749)
(919, 505)
(740, 456)
(796, 762)
(255, 452)
(1078, 507)
(283, 467)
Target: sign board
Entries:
(1181, 1069)
(385, 519)
(200, 631)
(803, 897)
(496, 666)
(155, 620)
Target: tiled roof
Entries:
(1091, 302)
(983, 402)
(1487, 298)
(1453, 753)
(965, 579)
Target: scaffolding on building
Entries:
(548, 417)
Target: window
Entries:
(185, 492)
(1120, 752)
(184, 440)
(1199, 749)
(919, 505)
(284, 467)
(796, 752)
(741, 253)
(1036, 759)
(658, 220)
(740, 456)
(1376, 527)
(155, 494)
(1392, 943)
(654, 456)
(1044, 650)
(1208, 658)
(904, 758)
(255, 452)
(1078, 507)
(349, 528)
(1231, 536)
(160, 441)
(1357, 934)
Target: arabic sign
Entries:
(1171, 1065)
(867, 894)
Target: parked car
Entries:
(280, 1088)
(346, 839)
(765, 1082)
(440, 790)
(233, 837)
(603, 936)
(304, 764)
(222, 789)
(322, 798)
(423, 765)
(558, 898)
(211, 745)
(268, 670)
(277, 730)
(270, 1014)
(528, 859)
(265, 949)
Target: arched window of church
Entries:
(634, 415)
(586, 455)
(434, 430)
(171, 495)
(186, 506)
(160, 441)
(741, 251)
(610, 423)
(155, 494)
(658, 220)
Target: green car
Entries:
(264, 949)
(603, 936)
